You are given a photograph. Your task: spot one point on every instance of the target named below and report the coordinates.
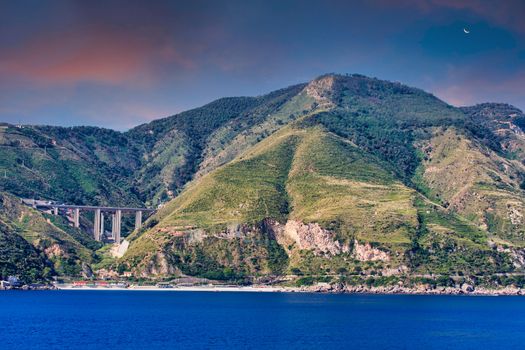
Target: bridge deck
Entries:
(85, 207)
(89, 207)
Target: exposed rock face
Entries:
(515, 216)
(86, 271)
(467, 288)
(159, 265)
(236, 231)
(54, 251)
(308, 236)
(107, 274)
(365, 252)
(321, 90)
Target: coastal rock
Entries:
(467, 288)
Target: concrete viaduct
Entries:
(98, 221)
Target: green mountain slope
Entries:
(176, 147)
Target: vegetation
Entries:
(21, 259)
(63, 249)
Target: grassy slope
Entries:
(230, 141)
(175, 148)
(475, 182)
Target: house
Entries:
(14, 281)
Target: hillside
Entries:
(80, 165)
(175, 148)
(39, 246)
(343, 179)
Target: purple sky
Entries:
(121, 63)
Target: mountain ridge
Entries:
(345, 175)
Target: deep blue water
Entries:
(196, 320)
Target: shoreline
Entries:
(317, 289)
(183, 289)
(322, 288)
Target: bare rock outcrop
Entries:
(308, 236)
(86, 271)
(321, 90)
(365, 252)
(55, 250)
(515, 215)
(159, 266)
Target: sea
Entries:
(251, 320)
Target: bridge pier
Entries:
(138, 220)
(113, 223)
(101, 224)
(73, 213)
(96, 225)
(117, 223)
(76, 217)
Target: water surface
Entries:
(202, 320)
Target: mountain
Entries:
(345, 179)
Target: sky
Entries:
(118, 64)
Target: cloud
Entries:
(99, 54)
(118, 62)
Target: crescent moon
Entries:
(466, 31)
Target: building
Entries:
(14, 281)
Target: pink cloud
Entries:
(97, 54)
